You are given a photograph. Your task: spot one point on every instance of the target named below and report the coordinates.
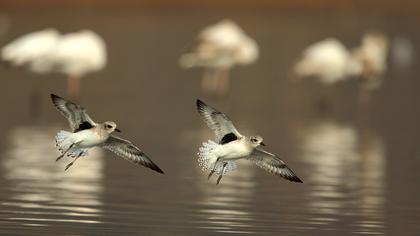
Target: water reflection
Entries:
(347, 176)
(40, 191)
(225, 206)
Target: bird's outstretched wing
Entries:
(216, 120)
(128, 151)
(75, 114)
(273, 164)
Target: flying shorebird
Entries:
(220, 157)
(87, 134)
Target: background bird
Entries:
(330, 62)
(74, 54)
(218, 49)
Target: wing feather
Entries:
(130, 152)
(75, 114)
(273, 164)
(216, 120)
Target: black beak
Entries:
(262, 144)
(119, 131)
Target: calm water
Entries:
(360, 166)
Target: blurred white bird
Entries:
(25, 49)
(218, 49)
(330, 61)
(326, 60)
(368, 61)
(73, 54)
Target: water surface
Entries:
(359, 166)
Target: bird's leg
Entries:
(220, 176)
(214, 169)
(207, 80)
(73, 86)
(223, 81)
(210, 174)
(71, 163)
(64, 153)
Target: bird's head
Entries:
(110, 127)
(256, 141)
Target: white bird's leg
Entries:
(73, 86)
(64, 153)
(220, 176)
(214, 169)
(207, 80)
(223, 81)
(71, 163)
(210, 174)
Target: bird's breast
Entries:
(89, 138)
(234, 150)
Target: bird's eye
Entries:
(109, 126)
(254, 140)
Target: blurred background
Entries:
(355, 147)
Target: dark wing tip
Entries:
(295, 179)
(150, 164)
(54, 97)
(290, 175)
(157, 169)
(200, 104)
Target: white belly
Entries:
(232, 151)
(87, 138)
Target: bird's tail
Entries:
(63, 143)
(207, 160)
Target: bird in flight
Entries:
(219, 157)
(85, 134)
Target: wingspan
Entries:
(216, 120)
(128, 151)
(75, 114)
(273, 164)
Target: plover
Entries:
(48, 51)
(220, 157)
(87, 134)
(218, 49)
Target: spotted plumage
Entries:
(220, 157)
(87, 134)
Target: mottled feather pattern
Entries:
(206, 159)
(128, 151)
(75, 114)
(217, 121)
(273, 164)
(62, 145)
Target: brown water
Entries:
(359, 166)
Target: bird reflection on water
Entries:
(347, 175)
(41, 186)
